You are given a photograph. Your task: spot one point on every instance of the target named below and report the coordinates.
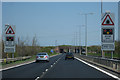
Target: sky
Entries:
(51, 21)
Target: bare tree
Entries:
(0, 48)
(34, 42)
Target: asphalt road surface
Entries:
(58, 67)
(32, 70)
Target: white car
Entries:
(83, 52)
(43, 56)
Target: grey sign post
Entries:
(9, 39)
(107, 33)
(118, 27)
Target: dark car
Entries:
(69, 55)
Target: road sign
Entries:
(10, 30)
(108, 47)
(108, 21)
(9, 39)
(51, 50)
(107, 35)
(6, 27)
(9, 49)
(107, 32)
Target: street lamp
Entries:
(75, 39)
(86, 14)
(80, 44)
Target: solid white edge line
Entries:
(99, 69)
(17, 65)
(22, 64)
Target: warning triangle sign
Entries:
(10, 31)
(108, 21)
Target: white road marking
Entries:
(23, 64)
(99, 69)
(46, 70)
(51, 65)
(17, 65)
(37, 78)
(50, 68)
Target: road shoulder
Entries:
(98, 67)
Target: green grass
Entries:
(114, 55)
(106, 55)
(19, 62)
(94, 54)
(51, 54)
(22, 61)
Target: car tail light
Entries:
(46, 57)
(36, 56)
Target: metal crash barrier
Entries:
(103, 62)
(10, 60)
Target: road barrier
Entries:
(110, 64)
(10, 60)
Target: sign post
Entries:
(107, 33)
(9, 39)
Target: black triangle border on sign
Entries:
(8, 30)
(110, 20)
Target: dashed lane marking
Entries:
(37, 78)
(23, 64)
(46, 70)
(50, 67)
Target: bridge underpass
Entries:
(64, 49)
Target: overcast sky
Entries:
(51, 21)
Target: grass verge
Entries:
(5, 65)
(108, 55)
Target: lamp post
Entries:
(86, 14)
(80, 44)
(75, 42)
(101, 6)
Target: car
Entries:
(83, 52)
(43, 56)
(69, 55)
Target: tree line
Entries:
(23, 48)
